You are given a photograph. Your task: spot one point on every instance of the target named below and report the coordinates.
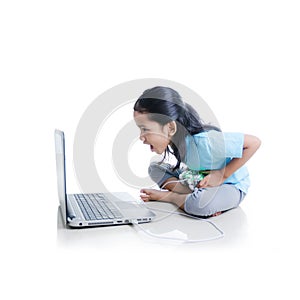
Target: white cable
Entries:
(222, 234)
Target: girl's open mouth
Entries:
(151, 148)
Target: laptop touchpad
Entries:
(125, 205)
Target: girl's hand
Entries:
(214, 178)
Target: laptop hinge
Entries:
(70, 211)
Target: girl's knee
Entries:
(160, 172)
(156, 172)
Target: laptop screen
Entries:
(61, 171)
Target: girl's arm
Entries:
(217, 177)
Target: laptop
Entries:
(96, 209)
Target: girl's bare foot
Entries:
(152, 194)
(166, 196)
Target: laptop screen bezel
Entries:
(61, 172)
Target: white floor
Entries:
(257, 256)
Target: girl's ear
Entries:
(172, 128)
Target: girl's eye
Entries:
(144, 129)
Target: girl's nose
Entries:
(142, 138)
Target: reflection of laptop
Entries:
(100, 209)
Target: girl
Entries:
(170, 126)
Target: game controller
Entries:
(191, 178)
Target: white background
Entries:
(242, 57)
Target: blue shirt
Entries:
(213, 150)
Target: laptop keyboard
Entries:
(97, 207)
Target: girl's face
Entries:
(155, 135)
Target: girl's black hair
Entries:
(164, 105)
